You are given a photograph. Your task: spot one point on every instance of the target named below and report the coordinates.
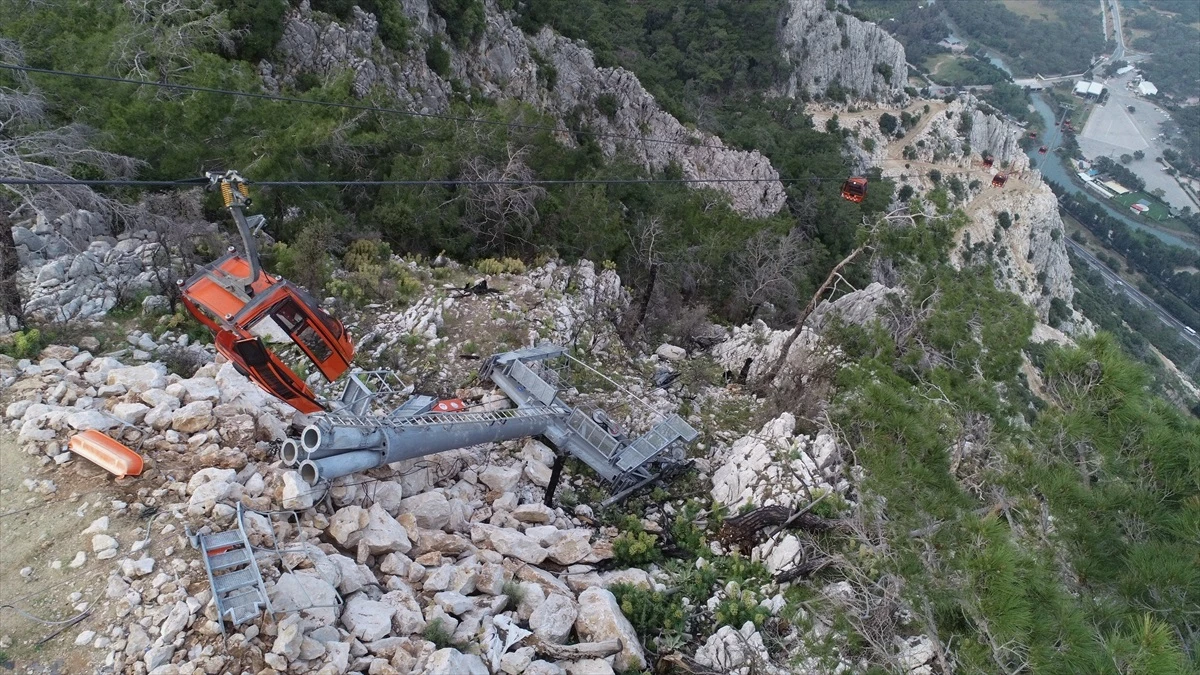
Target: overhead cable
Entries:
(447, 182)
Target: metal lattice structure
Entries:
(372, 426)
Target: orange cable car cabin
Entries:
(1043, 150)
(854, 189)
(240, 304)
(999, 180)
(988, 161)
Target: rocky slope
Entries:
(450, 564)
(828, 46)
(1030, 255)
(546, 70)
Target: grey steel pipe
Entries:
(344, 464)
(324, 439)
(290, 452)
(401, 443)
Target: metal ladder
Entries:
(233, 575)
(442, 419)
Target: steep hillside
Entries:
(915, 454)
(545, 70)
(836, 55)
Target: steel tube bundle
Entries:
(332, 451)
(290, 452)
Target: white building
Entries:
(1088, 89)
(1147, 89)
(1123, 70)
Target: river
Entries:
(1052, 167)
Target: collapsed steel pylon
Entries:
(357, 437)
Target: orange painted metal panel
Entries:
(106, 453)
(215, 298)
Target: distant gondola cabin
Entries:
(999, 180)
(855, 189)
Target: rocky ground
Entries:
(450, 564)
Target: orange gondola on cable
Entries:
(988, 161)
(854, 189)
(106, 453)
(239, 303)
(999, 180)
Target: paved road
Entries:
(1119, 52)
(1137, 297)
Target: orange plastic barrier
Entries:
(107, 453)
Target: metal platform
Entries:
(371, 428)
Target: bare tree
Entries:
(10, 294)
(167, 35)
(768, 268)
(29, 150)
(649, 252)
(834, 275)
(499, 206)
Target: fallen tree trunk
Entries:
(586, 650)
(804, 569)
(744, 530)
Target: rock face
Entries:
(1030, 255)
(947, 139)
(504, 64)
(827, 47)
(751, 349)
(775, 467)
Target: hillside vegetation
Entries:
(1019, 506)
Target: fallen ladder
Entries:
(233, 575)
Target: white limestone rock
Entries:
(600, 619)
(553, 619)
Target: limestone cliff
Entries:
(947, 138)
(546, 70)
(827, 47)
(1030, 254)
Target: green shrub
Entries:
(489, 266)
(393, 25)
(684, 533)
(260, 25)
(606, 103)
(437, 58)
(514, 591)
(364, 253)
(25, 344)
(650, 612)
(437, 633)
(464, 19)
(738, 608)
(635, 547)
(492, 266)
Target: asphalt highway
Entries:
(1135, 296)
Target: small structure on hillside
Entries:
(1147, 88)
(1124, 69)
(952, 43)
